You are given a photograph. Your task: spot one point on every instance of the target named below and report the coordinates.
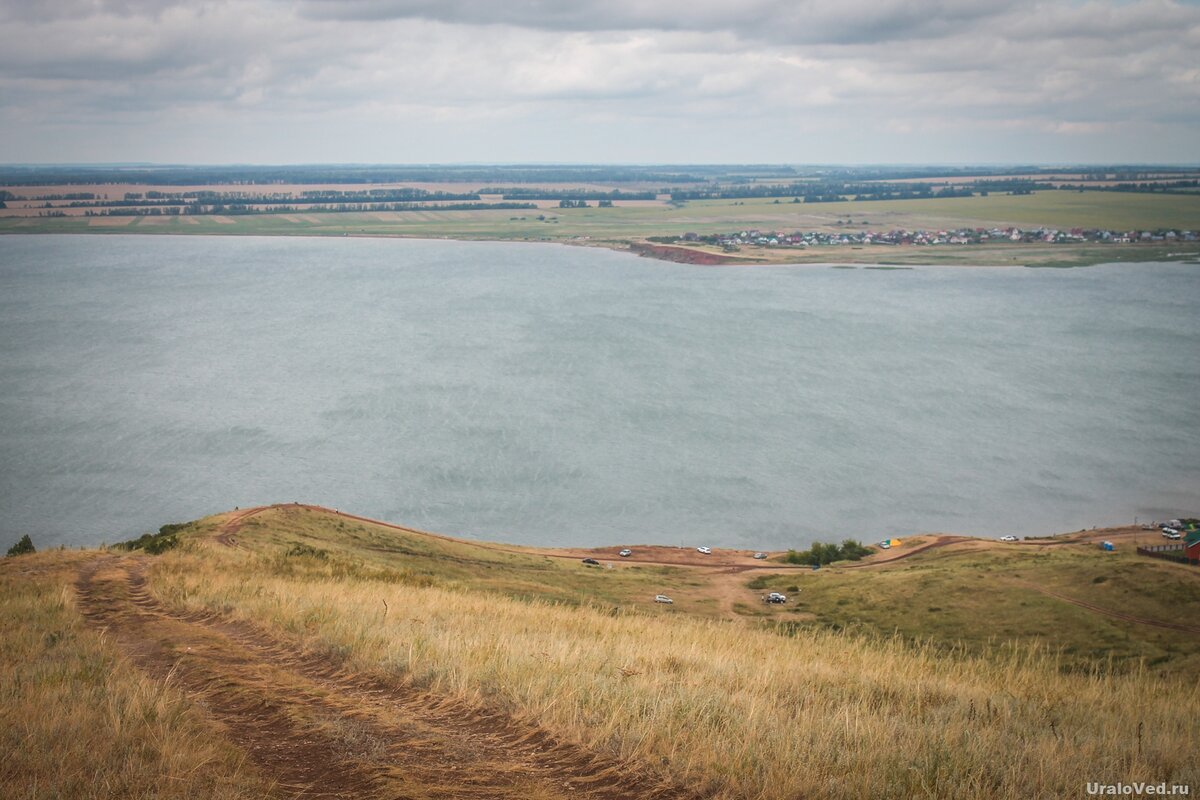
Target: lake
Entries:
(555, 395)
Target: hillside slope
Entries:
(348, 658)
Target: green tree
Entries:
(22, 547)
(820, 553)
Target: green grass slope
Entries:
(1095, 610)
(978, 595)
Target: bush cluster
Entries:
(155, 543)
(25, 545)
(819, 553)
(308, 550)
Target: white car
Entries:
(1009, 538)
(1172, 535)
(760, 556)
(706, 550)
(885, 545)
(626, 553)
(776, 597)
(662, 598)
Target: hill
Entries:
(300, 651)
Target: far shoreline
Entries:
(890, 258)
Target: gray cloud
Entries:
(418, 80)
(794, 21)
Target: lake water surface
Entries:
(563, 396)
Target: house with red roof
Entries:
(1191, 547)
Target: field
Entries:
(407, 664)
(632, 221)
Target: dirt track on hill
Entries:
(319, 731)
(941, 541)
(1154, 623)
(228, 533)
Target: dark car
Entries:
(592, 562)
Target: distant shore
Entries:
(974, 255)
(734, 221)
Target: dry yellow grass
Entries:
(735, 712)
(77, 721)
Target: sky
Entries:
(617, 81)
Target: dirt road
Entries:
(318, 731)
(895, 554)
(1107, 612)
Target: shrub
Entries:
(161, 544)
(308, 550)
(25, 545)
(820, 553)
(760, 582)
(166, 539)
(853, 550)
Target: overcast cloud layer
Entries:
(405, 81)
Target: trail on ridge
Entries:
(319, 731)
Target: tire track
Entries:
(227, 535)
(300, 763)
(322, 731)
(1155, 623)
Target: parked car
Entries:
(1009, 538)
(706, 550)
(662, 598)
(760, 556)
(885, 545)
(1172, 535)
(591, 561)
(776, 597)
(626, 553)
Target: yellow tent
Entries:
(893, 542)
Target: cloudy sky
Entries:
(415, 81)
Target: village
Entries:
(960, 236)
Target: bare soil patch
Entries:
(685, 255)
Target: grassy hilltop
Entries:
(291, 647)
